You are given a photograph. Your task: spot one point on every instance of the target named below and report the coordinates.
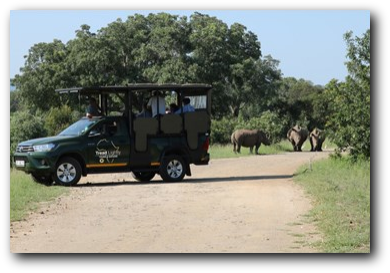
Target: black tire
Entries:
(173, 168)
(68, 172)
(143, 176)
(42, 179)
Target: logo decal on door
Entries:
(107, 153)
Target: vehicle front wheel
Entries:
(68, 172)
(42, 179)
(173, 168)
(143, 176)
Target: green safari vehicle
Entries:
(122, 140)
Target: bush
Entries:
(58, 118)
(221, 130)
(25, 125)
(274, 125)
(270, 122)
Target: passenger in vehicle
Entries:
(173, 108)
(145, 113)
(93, 108)
(187, 107)
(157, 99)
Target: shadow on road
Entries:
(186, 181)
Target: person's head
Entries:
(156, 93)
(92, 101)
(186, 101)
(173, 107)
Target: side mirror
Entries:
(94, 133)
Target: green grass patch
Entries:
(25, 194)
(226, 151)
(341, 193)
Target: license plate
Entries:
(19, 163)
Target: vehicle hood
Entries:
(46, 140)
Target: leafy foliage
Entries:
(301, 102)
(271, 123)
(23, 126)
(59, 118)
(349, 101)
(222, 130)
(156, 48)
(15, 101)
(274, 126)
(44, 71)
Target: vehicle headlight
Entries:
(43, 147)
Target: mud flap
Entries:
(188, 170)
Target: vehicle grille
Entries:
(24, 149)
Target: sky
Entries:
(308, 43)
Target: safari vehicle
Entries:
(119, 141)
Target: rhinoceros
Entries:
(297, 136)
(249, 138)
(316, 137)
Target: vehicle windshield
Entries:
(78, 128)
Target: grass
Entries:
(226, 151)
(341, 191)
(25, 194)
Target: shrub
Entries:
(270, 122)
(221, 130)
(25, 125)
(58, 118)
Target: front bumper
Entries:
(34, 162)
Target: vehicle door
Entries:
(108, 144)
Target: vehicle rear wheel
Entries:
(173, 168)
(143, 176)
(68, 172)
(42, 179)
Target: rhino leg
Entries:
(257, 149)
(251, 149)
(312, 149)
(293, 144)
(319, 146)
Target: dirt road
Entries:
(244, 205)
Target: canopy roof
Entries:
(189, 88)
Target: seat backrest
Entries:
(171, 124)
(196, 123)
(142, 128)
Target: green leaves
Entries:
(349, 101)
(156, 48)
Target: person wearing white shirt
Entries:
(157, 104)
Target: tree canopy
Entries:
(158, 48)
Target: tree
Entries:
(302, 102)
(15, 101)
(252, 85)
(44, 71)
(59, 118)
(349, 101)
(157, 48)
